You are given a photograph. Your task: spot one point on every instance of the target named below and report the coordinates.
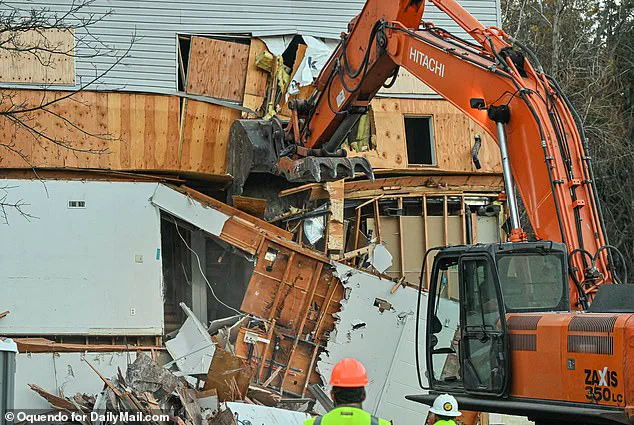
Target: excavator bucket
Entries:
(257, 146)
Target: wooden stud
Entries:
(313, 287)
(400, 237)
(445, 217)
(278, 296)
(464, 219)
(369, 201)
(270, 346)
(314, 281)
(336, 237)
(357, 229)
(377, 221)
(474, 228)
(426, 238)
(324, 308)
(181, 63)
(310, 368)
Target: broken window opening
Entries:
(183, 44)
(289, 55)
(419, 136)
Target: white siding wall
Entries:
(95, 270)
(151, 65)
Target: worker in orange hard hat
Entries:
(348, 382)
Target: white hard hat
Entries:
(445, 405)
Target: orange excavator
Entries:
(543, 329)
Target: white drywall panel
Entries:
(385, 345)
(94, 270)
(63, 373)
(190, 210)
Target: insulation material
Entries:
(192, 211)
(378, 328)
(192, 349)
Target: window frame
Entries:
(432, 140)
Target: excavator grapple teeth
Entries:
(322, 169)
(254, 146)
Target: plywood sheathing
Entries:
(256, 80)
(454, 136)
(407, 83)
(135, 132)
(50, 61)
(217, 68)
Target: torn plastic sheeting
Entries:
(187, 209)
(317, 55)
(277, 44)
(266, 415)
(192, 349)
(314, 229)
(380, 258)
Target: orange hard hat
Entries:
(349, 373)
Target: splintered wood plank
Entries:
(253, 206)
(335, 218)
(256, 77)
(217, 68)
(224, 369)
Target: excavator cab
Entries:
(471, 290)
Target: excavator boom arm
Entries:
(493, 83)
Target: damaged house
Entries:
(141, 231)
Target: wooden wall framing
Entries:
(293, 289)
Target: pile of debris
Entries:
(205, 383)
(149, 391)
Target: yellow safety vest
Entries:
(346, 416)
(449, 422)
